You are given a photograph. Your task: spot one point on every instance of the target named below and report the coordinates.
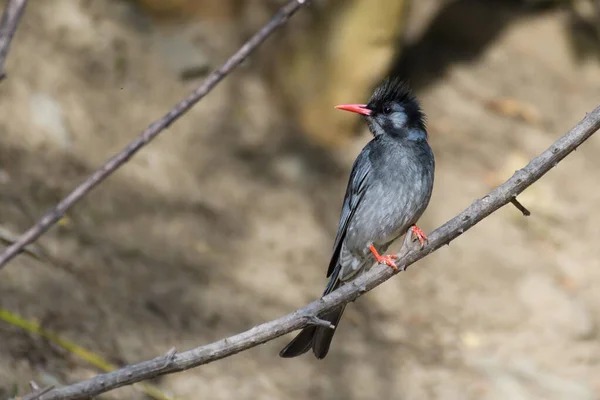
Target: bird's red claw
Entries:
(387, 260)
(420, 235)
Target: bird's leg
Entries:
(419, 234)
(388, 260)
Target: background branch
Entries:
(480, 209)
(37, 392)
(54, 215)
(8, 26)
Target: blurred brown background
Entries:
(227, 220)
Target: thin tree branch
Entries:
(37, 393)
(314, 320)
(480, 209)
(520, 206)
(8, 26)
(54, 215)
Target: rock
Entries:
(184, 57)
(47, 116)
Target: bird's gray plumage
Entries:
(389, 188)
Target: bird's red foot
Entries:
(388, 260)
(420, 235)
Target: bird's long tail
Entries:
(317, 337)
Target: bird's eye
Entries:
(387, 109)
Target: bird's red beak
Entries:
(355, 108)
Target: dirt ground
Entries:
(227, 220)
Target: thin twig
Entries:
(54, 215)
(520, 206)
(314, 320)
(8, 26)
(37, 393)
(7, 238)
(301, 318)
(169, 356)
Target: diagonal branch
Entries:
(37, 393)
(54, 215)
(8, 26)
(480, 209)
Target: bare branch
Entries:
(314, 320)
(520, 206)
(7, 238)
(169, 356)
(308, 315)
(37, 392)
(54, 215)
(8, 26)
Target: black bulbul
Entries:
(389, 188)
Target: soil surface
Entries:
(227, 219)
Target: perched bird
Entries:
(389, 188)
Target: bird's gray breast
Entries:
(397, 195)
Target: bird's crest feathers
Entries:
(398, 91)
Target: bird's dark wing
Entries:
(361, 171)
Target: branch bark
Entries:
(54, 215)
(480, 209)
(8, 26)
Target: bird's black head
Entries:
(392, 110)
